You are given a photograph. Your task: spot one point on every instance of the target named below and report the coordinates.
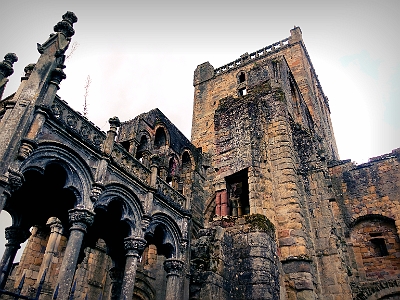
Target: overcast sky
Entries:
(141, 55)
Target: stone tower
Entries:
(263, 123)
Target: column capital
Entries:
(173, 267)
(55, 225)
(16, 235)
(134, 246)
(80, 218)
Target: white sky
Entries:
(141, 55)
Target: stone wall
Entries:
(235, 259)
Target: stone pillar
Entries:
(56, 231)
(174, 269)
(218, 204)
(155, 160)
(15, 236)
(134, 247)
(108, 143)
(6, 70)
(80, 218)
(224, 203)
(116, 276)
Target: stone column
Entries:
(155, 161)
(56, 231)
(218, 204)
(15, 236)
(174, 269)
(116, 276)
(134, 247)
(80, 218)
(224, 203)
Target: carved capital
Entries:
(57, 75)
(80, 218)
(6, 66)
(15, 179)
(55, 225)
(26, 148)
(146, 219)
(155, 160)
(96, 191)
(134, 246)
(15, 236)
(174, 267)
(65, 26)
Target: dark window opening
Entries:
(186, 162)
(379, 247)
(126, 145)
(141, 148)
(242, 92)
(160, 138)
(242, 77)
(238, 193)
(180, 187)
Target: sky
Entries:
(142, 55)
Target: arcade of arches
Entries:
(257, 205)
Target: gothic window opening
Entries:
(141, 148)
(242, 92)
(238, 193)
(160, 138)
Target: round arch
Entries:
(172, 233)
(158, 129)
(79, 176)
(131, 207)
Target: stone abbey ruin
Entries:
(256, 206)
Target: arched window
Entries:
(186, 161)
(141, 148)
(160, 138)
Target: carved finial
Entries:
(28, 69)
(65, 26)
(57, 75)
(114, 123)
(6, 66)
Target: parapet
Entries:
(203, 72)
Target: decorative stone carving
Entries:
(134, 246)
(114, 123)
(96, 191)
(15, 179)
(173, 267)
(6, 66)
(57, 75)
(146, 219)
(65, 26)
(26, 148)
(81, 218)
(15, 235)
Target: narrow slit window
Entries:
(242, 77)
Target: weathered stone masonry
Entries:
(256, 206)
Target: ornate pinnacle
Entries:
(6, 66)
(65, 26)
(114, 123)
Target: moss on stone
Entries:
(260, 223)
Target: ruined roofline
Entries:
(273, 49)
